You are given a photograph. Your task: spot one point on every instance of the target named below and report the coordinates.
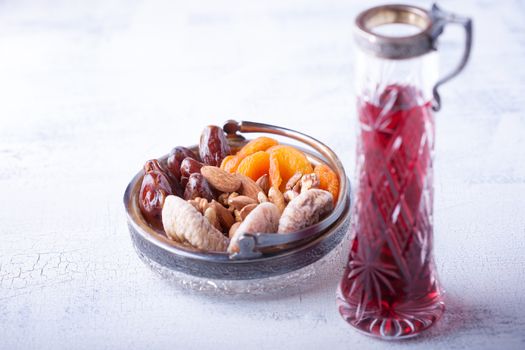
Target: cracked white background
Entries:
(90, 90)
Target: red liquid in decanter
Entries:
(389, 287)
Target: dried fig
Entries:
(264, 219)
(183, 223)
(306, 209)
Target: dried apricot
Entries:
(328, 179)
(255, 165)
(273, 171)
(285, 161)
(259, 144)
(230, 163)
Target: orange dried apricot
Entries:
(255, 165)
(259, 144)
(230, 163)
(328, 180)
(285, 161)
(275, 175)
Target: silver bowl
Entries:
(266, 262)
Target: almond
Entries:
(264, 183)
(225, 216)
(220, 179)
(240, 202)
(246, 210)
(248, 186)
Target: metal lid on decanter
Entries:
(430, 25)
(394, 47)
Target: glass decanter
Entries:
(390, 288)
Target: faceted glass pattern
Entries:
(389, 288)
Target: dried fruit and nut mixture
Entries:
(208, 200)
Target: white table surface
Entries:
(90, 90)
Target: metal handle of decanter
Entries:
(440, 19)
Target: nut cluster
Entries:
(233, 207)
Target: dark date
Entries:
(187, 167)
(197, 186)
(155, 165)
(213, 146)
(175, 158)
(156, 186)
